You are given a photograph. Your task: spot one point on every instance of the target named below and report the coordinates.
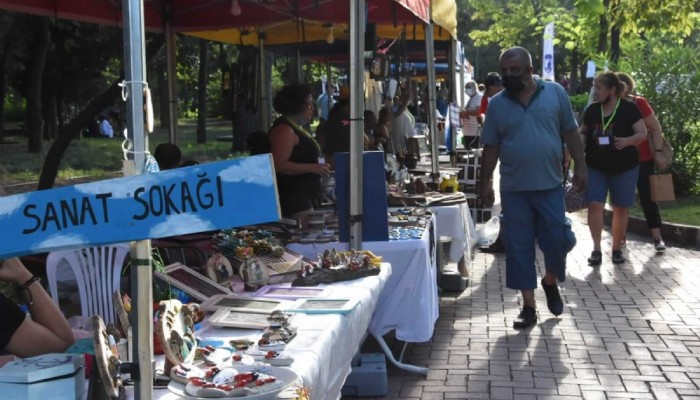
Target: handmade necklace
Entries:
(612, 116)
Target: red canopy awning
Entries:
(199, 15)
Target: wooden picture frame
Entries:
(285, 292)
(324, 306)
(230, 318)
(193, 283)
(240, 304)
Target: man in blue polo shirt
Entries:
(526, 126)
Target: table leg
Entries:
(398, 363)
(462, 267)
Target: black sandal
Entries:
(596, 258)
(617, 257)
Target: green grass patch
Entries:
(685, 210)
(99, 158)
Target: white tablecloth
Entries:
(409, 302)
(455, 221)
(325, 344)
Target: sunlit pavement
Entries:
(629, 331)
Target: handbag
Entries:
(666, 153)
(661, 187)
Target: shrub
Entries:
(668, 75)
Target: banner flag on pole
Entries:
(548, 56)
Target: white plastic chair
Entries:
(97, 273)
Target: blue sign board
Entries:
(200, 198)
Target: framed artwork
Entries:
(239, 303)
(290, 292)
(193, 283)
(324, 306)
(229, 318)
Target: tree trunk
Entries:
(163, 96)
(202, 92)
(603, 26)
(40, 49)
(615, 31)
(50, 116)
(72, 129)
(573, 67)
(6, 49)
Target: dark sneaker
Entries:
(554, 302)
(526, 318)
(659, 245)
(617, 257)
(596, 258)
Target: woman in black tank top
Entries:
(295, 152)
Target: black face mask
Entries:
(513, 83)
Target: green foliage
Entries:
(102, 158)
(668, 75)
(579, 101)
(685, 210)
(15, 106)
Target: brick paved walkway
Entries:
(628, 332)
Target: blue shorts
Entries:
(621, 187)
(529, 216)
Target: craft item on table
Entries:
(219, 268)
(400, 199)
(324, 306)
(239, 303)
(241, 344)
(332, 266)
(193, 283)
(406, 233)
(216, 356)
(242, 243)
(278, 359)
(122, 313)
(228, 318)
(289, 292)
(257, 354)
(48, 376)
(107, 383)
(254, 382)
(419, 186)
(183, 372)
(253, 274)
(242, 359)
(266, 344)
(175, 330)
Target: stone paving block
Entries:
(665, 394)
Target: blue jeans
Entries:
(529, 216)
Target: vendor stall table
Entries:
(409, 302)
(325, 344)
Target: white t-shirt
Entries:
(401, 128)
(470, 126)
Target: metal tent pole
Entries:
(300, 74)
(264, 89)
(430, 68)
(451, 68)
(141, 284)
(357, 71)
(171, 66)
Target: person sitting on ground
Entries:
(168, 156)
(47, 331)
